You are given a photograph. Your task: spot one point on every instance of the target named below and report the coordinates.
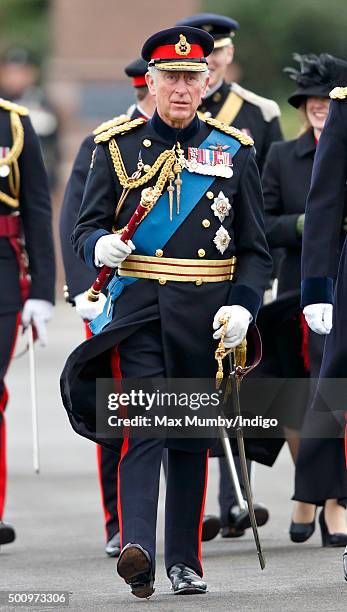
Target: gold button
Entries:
(206, 223)
(201, 253)
(198, 282)
(147, 142)
(210, 195)
(159, 253)
(162, 281)
(146, 167)
(217, 97)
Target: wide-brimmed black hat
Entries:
(317, 76)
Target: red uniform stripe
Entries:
(202, 512)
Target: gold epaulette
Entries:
(338, 93)
(106, 125)
(11, 106)
(230, 130)
(119, 129)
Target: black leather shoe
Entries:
(210, 527)
(300, 532)
(185, 581)
(135, 567)
(344, 559)
(333, 540)
(7, 533)
(112, 548)
(239, 520)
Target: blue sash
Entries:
(156, 224)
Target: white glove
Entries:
(239, 320)
(319, 317)
(37, 312)
(110, 250)
(87, 309)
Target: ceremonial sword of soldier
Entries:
(238, 369)
(33, 395)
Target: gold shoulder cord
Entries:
(11, 160)
(165, 162)
(230, 130)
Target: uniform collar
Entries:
(173, 135)
(305, 144)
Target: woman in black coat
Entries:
(286, 182)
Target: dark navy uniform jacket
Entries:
(286, 182)
(186, 309)
(35, 212)
(322, 260)
(77, 274)
(258, 116)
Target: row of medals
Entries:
(222, 167)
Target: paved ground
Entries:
(60, 533)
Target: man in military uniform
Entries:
(25, 216)
(258, 117)
(19, 82)
(172, 291)
(231, 103)
(324, 269)
(79, 278)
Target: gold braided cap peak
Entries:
(229, 129)
(106, 125)
(11, 106)
(119, 129)
(338, 93)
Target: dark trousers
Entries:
(8, 334)
(227, 497)
(108, 479)
(141, 355)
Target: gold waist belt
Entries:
(169, 268)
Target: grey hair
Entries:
(154, 72)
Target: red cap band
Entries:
(139, 81)
(169, 52)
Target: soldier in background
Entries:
(259, 118)
(25, 223)
(19, 82)
(79, 278)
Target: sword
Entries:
(33, 395)
(235, 378)
(224, 438)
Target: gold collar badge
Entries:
(183, 47)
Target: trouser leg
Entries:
(108, 476)
(138, 490)
(8, 334)
(227, 497)
(184, 508)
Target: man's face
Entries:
(218, 63)
(177, 94)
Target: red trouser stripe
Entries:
(125, 447)
(202, 511)
(3, 468)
